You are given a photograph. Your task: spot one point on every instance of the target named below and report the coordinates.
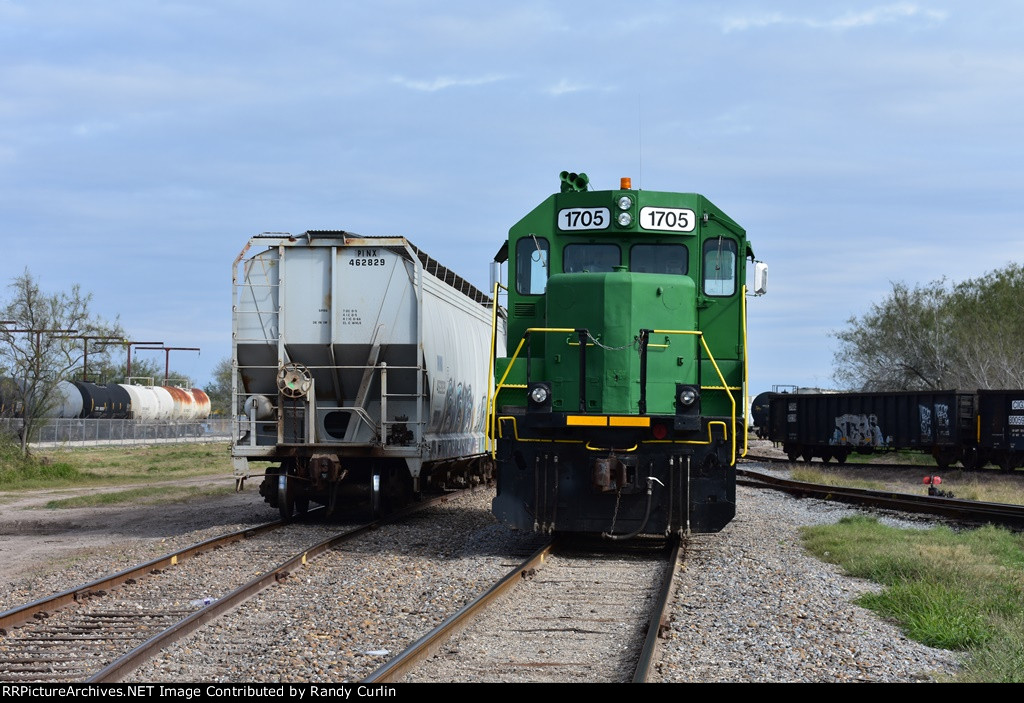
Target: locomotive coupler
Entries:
(614, 473)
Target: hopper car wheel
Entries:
(1006, 461)
(807, 456)
(970, 459)
(375, 494)
(793, 455)
(288, 503)
(841, 457)
(944, 457)
(284, 498)
(826, 457)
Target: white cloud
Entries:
(444, 82)
(565, 86)
(884, 14)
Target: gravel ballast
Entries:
(750, 605)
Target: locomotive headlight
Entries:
(625, 202)
(687, 396)
(538, 397)
(687, 407)
(539, 394)
(625, 219)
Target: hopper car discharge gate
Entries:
(356, 360)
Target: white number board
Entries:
(577, 218)
(668, 219)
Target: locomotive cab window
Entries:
(719, 267)
(531, 265)
(590, 258)
(659, 258)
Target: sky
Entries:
(143, 142)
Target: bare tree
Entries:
(40, 342)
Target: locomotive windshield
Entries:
(590, 258)
(659, 258)
(531, 265)
(719, 267)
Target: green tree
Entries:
(220, 388)
(145, 371)
(989, 335)
(899, 344)
(938, 336)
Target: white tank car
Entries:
(67, 401)
(362, 368)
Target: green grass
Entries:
(67, 468)
(835, 478)
(18, 471)
(141, 496)
(953, 590)
(988, 486)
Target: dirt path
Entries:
(31, 534)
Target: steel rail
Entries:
(23, 613)
(847, 464)
(428, 644)
(933, 468)
(659, 617)
(976, 511)
(131, 660)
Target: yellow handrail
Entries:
(746, 370)
(491, 395)
(491, 424)
(721, 378)
(501, 384)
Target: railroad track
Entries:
(103, 630)
(962, 510)
(933, 468)
(563, 616)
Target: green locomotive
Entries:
(618, 407)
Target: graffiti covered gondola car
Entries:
(620, 405)
(834, 425)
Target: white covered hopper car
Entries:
(362, 371)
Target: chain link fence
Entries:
(74, 431)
